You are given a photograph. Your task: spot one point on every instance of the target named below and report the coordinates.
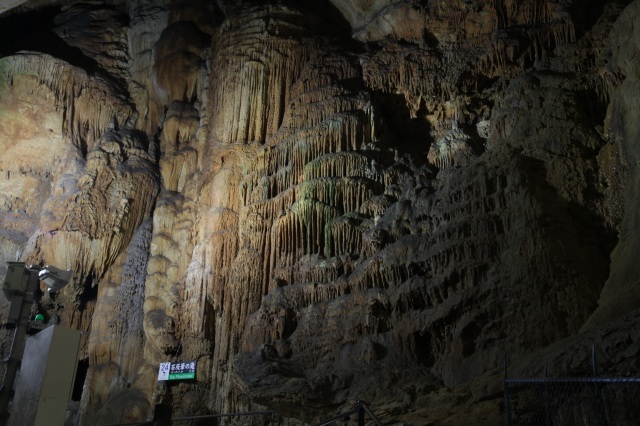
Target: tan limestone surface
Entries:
(350, 200)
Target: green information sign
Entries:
(182, 376)
(177, 370)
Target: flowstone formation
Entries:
(324, 203)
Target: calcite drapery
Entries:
(100, 187)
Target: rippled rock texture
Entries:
(350, 200)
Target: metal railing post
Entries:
(507, 406)
(546, 397)
(360, 414)
(596, 388)
(371, 415)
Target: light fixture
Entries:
(55, 278)
(20, 287)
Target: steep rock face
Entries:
(90, 173)
(620, 63)
(319, 217)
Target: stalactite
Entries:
(297, 196)
(344, 236)
(347, 194)
(73, 90)
(452, 149)
(181, 122)
(259, 78)
(341, 164)
(416, 76)
(376, 206)
(342, 131)
(274, 207)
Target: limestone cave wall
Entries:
(324, 202)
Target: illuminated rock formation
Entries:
(323, 203)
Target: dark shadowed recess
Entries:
(410, 135)
(81, 375)
(584, 242)
(585, 13)
(333, 23)
(34, 31)
(89, 294)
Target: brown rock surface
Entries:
(320, 215)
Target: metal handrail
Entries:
(338, 417)
(535, 380)
(213, 416)
(370, 413)
(207, 416)
(360, 409)
(546, 387)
